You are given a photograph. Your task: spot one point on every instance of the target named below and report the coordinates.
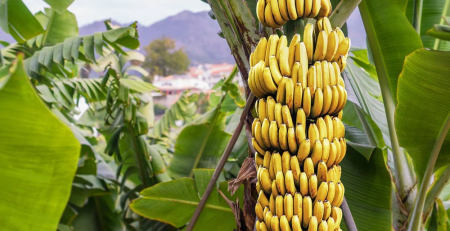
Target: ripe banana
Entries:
(262, 109)
(295, 167)
(325, 74)
(321, 45)
(338, 194)
(291, 9)
(282, 136)
(315, 8)
(287, 118)
(286, 162)
(298, 96)
(342, 98)
(336, 214)
(304, 150)
(326, 209)
(272, 204)
(257, 147)
(337, 71)
(312, 79)
(281, 188)
(258, 136)
(307, 211)
(316, 155)
(285, 68)
(274, 69)
(298, 207)
(308, 37)
(323, 226)
(300, 5)
(295, 67)
(269, 42)
(278, 115)
(321, 125)
(284, 224)
(343, 150)
(262, 47)
(281, 93)
(331, 223)
(318, 104)
(338, 149)
(282, 43)
(301, 117)
(253, 125)
(334, 99)
(293, 45)
(268, 219)
(322, 172)
(273, 135)
(304, 187)
(307, 102)
(266, 182)
(325, 8)
(270, 108)
(331, 191)
(313, 223)
(259, 159)
(313, 186)
(274, 189)
(308, 8)
(329, 124)
(259, 211)
(262, 199)
(327, 99)
(276, 12)
(333, 43)
(269, 81)
(260, 11)
(257, 225)
(318, 210)
(288, 206)
(276, 158)
(343, 49)
(296, 223)
(290, 184)
(292, 143)
(301, 55)
(340, 34)
(308, 167)
(269, 16)
(338, 128)
(313, 134)
(318, 67)
(322, 192)
(290, 95)
(279, 202)
(325, 150)
(300, 133)
(332, 74)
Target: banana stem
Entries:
(437, 42)
(417, 16)
(435, 190)
(221, 164)
(415, 221)
(342, 12)
(348, 218)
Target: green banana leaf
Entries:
(58, 26)
(439, 218)
(17, 20)
(423, 106)
(391, 37)
(175, 201)
(200, 144)
(38, 155)
(367, 190)
(59, 5)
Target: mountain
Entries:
(196, 34)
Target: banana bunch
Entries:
(275, 13)
(294, 74)
(295, 195)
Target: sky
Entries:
(145, 12)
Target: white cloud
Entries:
(145, 12)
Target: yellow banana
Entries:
(296, 223)
(303, 150)
(271, 169)
(257, 225)
(342, 97)
(258, 136)
(269, 16)
(330, 222)
(333, 43)
(329, 124)
(288, 206)
(262, 47)
(257, 80)
(315, 8)
(304, 187)
(326, 209)
(287, 118)
(327, 99)
(308, 167)
(255, 120)
(275, 70)
(276, 158)
(300, 133)
(298, 96)
(313, 133)
(290, 95)
(332, 74)
(336, 214)
(266, 182)
(313, 224)
(325, 8)
(282, 137)
(278, 114)
(338, 194)
(262, 109)
(258, 187)
(343, 48)
(342, 62)
(338, 128)
(284, 62)
(300, 6)
(282, 4)
(321, 125)
(331, 191)
(266, 209)
(268, 219)
(259, 160)
(273, 135)
(259, 211)
(342, 195)
(285, 162)
(307, 102)
(267, 159)
(274, 189)
(269, 82)
(323, 226)
(308, 8)
(325, 74)
(292, 47)
(313, 186)
(340, 34)
(273, 44)
(293, 147)
(338, 149)
(341, 113)
(307, 211)
(316, 155)
(322, 192)
(322, 172)
(281, 187)
(333, 154)
(272, 204)
(279, 202)
(337, 72)
(269, 42)
(266, 133)
(318, 67)
(263, 199)
(257, 147)
(301, 117)
(295, 67)
(325, 150)
(298, 207)
(308, 38)
(318, 26)
(318, 210)
(281, 93)
(334, 99)
(295, 167)
(284, 224)
(318, 104)
(321, 45)
(312, 80)
(290, 184)
(341, 82)
(276, 12)
(275, 223)
(291, 9)
(270, 108)
(343, 150)
(282, 43)
(301, 55)
(260, 11)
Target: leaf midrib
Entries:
(188, 203)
